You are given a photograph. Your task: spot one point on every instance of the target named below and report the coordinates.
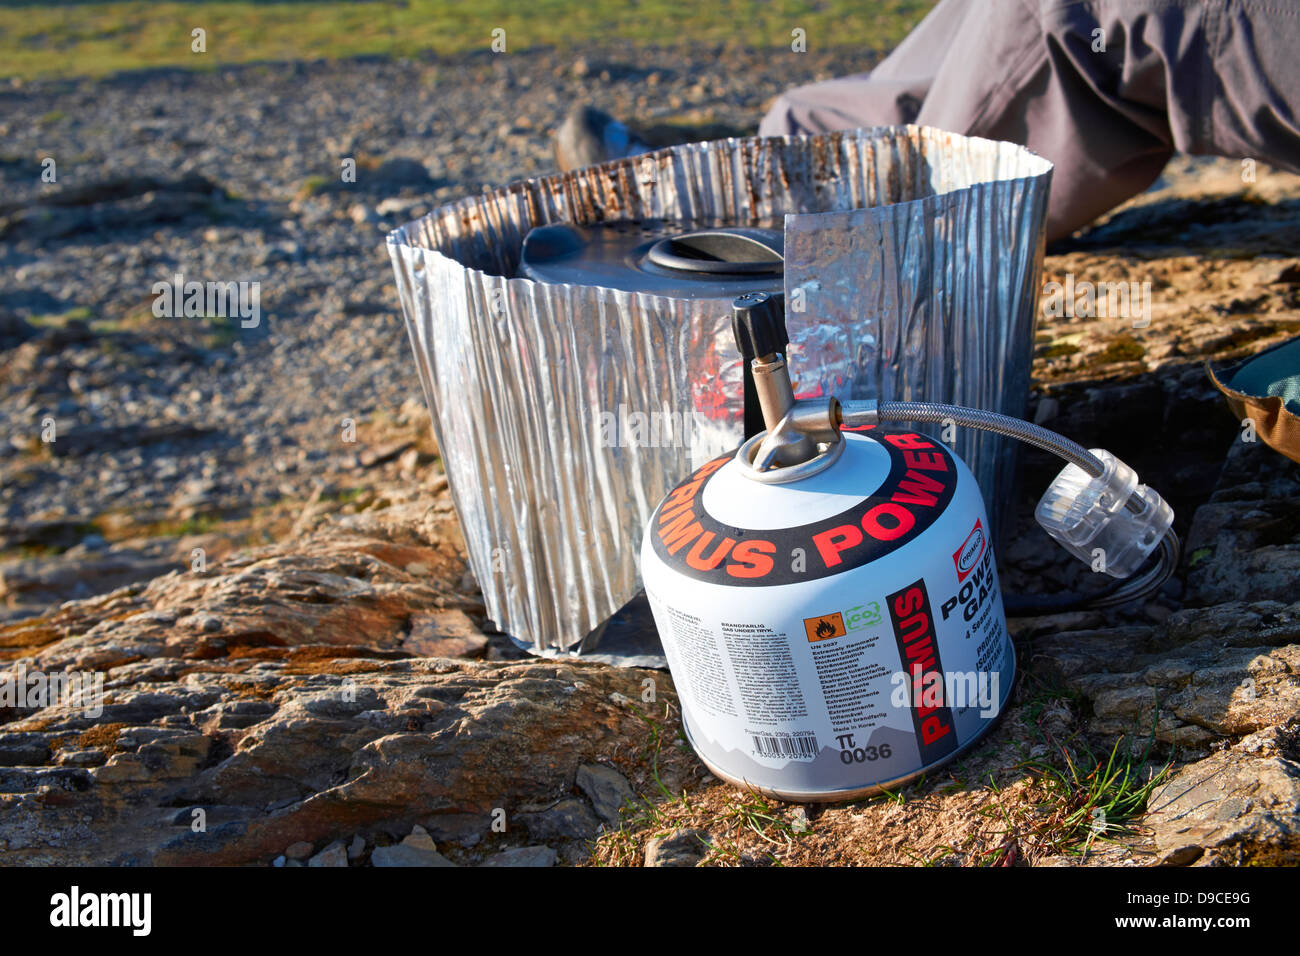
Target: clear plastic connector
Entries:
(1088, 516)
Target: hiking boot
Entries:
(588, 137)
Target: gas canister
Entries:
(827, 595)
(835, 632)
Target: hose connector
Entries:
(1109, 521)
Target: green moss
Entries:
(220, 331)
(1060, 350)
(58, 320)
(196, 524)
(312, 186)
(1123, 348)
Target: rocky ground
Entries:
(298, 668)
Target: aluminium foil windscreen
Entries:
(565, 412)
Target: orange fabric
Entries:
(1274, 424)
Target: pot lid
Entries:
(659, 258)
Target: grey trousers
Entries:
(1105, 89)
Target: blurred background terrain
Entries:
(73, 38)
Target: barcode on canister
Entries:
(800, 747)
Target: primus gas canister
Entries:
(827, 595)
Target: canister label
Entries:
(864, 673)
(918, 488)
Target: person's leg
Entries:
(1105, 89)
(989, 69)
(890, 95)
(999, 74)
(1095, 104)
(1216, 77)
(1254, 101)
